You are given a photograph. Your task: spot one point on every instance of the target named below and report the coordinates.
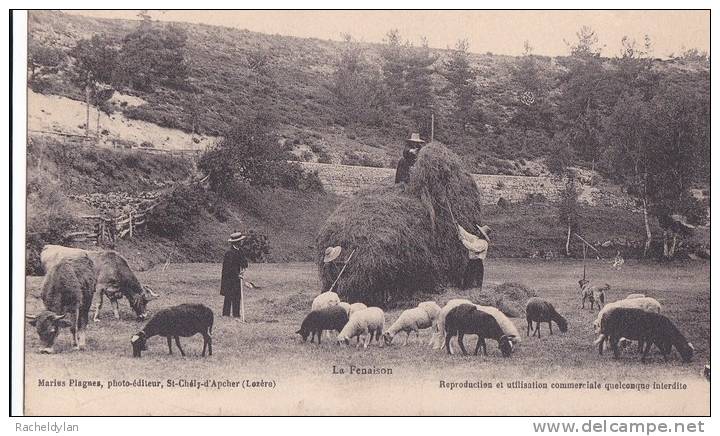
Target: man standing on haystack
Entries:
(331, 266)
(234, 265)
(412, 147)
(477, 247)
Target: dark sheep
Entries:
(539, 310)
(327, 318)
(182, 320)
(648, 328)
(467, 319)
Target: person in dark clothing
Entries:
(412, 147)
(234, 265)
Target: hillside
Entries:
(297, 89)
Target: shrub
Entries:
(178, 212)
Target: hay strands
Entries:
(342, 270)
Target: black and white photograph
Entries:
(365, 212)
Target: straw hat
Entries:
(485, 230)
(331, 253)
(236, 237)
(415, 137)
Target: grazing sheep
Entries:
(539, 310)
(594, 294)
(647, 327)
(631, 296)
(356, 307)
(182, 320)
(411, 320)
(370, 321)
(327, 318)
(648, 304)
(468, 319)
(438, 339)
(431, 307)
(345, 306)
(67, 293)
(324, 300)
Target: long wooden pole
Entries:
(242, 300)
(341, 271)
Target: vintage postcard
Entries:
(367, 213)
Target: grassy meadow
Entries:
(306, 379)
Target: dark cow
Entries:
(67, 294)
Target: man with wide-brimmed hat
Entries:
(331, 266)
(412, 147)
(234, 265)
(477, 247)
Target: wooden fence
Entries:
(105, 231)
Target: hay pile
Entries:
(406, 239)
(509, 298)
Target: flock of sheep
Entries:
(636, 317)
(73, 276)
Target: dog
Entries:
(594, 294)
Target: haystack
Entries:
(406, 240)
(509, 298)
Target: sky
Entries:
(499, 32)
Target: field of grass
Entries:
(266, 348)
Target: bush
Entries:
(178, 212)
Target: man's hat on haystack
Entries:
(415, 138)
(485, 230)
(332, 253)
(236, 237)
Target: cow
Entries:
(67, 294)
(113, 276)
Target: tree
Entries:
(393, 65)
(418, 84)
(94, 60)
(656, 150)
(568, 210)
(461, 82)
(584, 98)
(358, 87)
(44, 58)
(152, 55)
(533, 109)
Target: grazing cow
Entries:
(113, 276)
(594, 294)
(67, 294)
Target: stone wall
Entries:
(346, 180)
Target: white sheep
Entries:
(647, 304)
(356, 307)
(326, 299)
(411, 320)
(431, 307)
(631, 296)
(438, 339)
(370, 321)
(507, 326)
(345, 306)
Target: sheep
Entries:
(539, 310)
(411, 320)
(438, 339)
(345, 306)
(431, 308)
(324, 300)
(647, 304)
(365, 322)
(467, 318)
(182, 320)
(356, 307)
(647, 327)
(593, 293)
(327, 318)
(631, 296)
